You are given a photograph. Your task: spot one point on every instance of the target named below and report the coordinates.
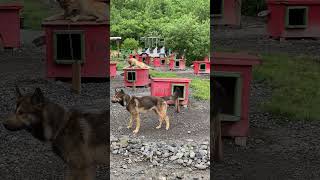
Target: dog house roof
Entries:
(128, 68)
(174, 80)
(201, 62)
(15, 5)
(79, 23)
(241, 59)
(294, 2)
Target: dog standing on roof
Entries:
(136, 105)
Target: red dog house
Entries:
(136, 77)
(136, 56)
(10, 25)
(163, 62)
(234, 72)
(156, 62)
(162, 87)
(177, 64)
(294, 18)
(145, 58)
(90, 41)
(225, 12)
(201, 67)
(113, 69)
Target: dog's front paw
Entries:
(135, 131)
(158, 127)
(129, 127)
(167, 128)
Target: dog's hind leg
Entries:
(137, 118)
(167, 122)
(130, 122)
(164, 116)
(160, 119)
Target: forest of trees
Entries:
(185, 24)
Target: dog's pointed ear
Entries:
(18, 93)
(37, 97)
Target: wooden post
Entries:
(177, 105)
(118, 47)
(217, 139)
(76, 77)
(134, 86)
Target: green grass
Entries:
(201, 88)
(33, 12)
(120, 65)
(162, 74)
(296, 86)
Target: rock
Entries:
(204, 147)
(115, 152)
(203, 152)
(186, 154)
(172, 158)
(192, 154)
(179, 155)
(189, 132)
(124, 141)
(165, 155)
(172, 149)
(135, 141)
(113, 139)
(205, 143)
(180, 161)
(201, 166)
(179, 175)
(124, 166)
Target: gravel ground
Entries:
(252, 37)
(22, 156)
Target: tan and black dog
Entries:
(136, 105)
(135, 63)
(82, 10)
(79, 138)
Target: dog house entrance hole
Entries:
(177, 64)
(63, 53)
(131, 76)
(202, 67)
(231, 103)
(297, 17)
(163, 61)
(181, 88)
(216, 7)
(143, 59)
